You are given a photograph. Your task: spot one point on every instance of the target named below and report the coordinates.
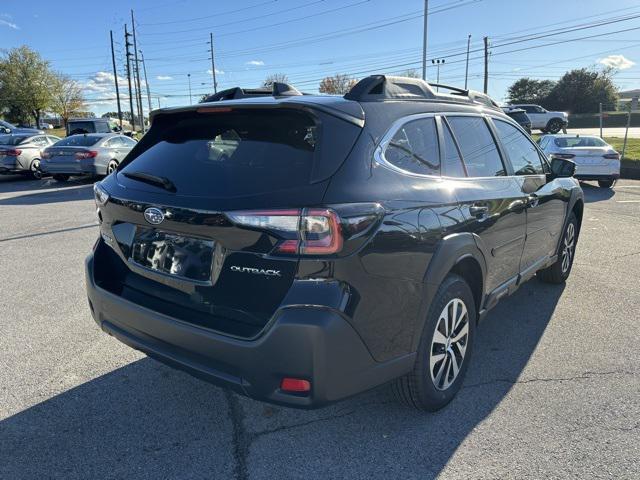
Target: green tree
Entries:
(581, 90)
(530, 90)
(339, 84)
(68, 99)
(26, 82)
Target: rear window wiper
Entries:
(156, 180)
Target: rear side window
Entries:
(522, 154)
(414, 148)
(453, 166)
(227, 154)
(479, 151)
(78, 141)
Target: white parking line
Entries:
(627, 201)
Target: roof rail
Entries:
(278, 89)
(379, 87)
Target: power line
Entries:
(216, 15)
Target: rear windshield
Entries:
(89, 127)
(225, 154)
(12, 139)
(78, 141)
(572, 142)
(520, 117)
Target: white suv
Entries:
(544, 120)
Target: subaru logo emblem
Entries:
(154, 215)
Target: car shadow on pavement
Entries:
(147, 420)
(21, 183)
(69, 192)
(593, 193)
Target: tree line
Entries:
(577, 91)
(29, 87)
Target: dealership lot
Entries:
(553, 390)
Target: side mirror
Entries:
(562, 167)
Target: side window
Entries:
(114, 143)
(543, 142)
(452, 166)
(40, 141)
(479, 151)
(414, 148)
(522, 154)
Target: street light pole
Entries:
(189, 77)
(213, 65)
(437, 62)
(424, 40)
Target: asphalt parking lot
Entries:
(553, 390)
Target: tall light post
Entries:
(189, 77)
(437, 62)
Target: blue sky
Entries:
(309, 39)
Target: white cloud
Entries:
(619, 62)
(218, 72)
(164, 77)
(4, 21)
(255, 62)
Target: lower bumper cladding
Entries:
(307, 357)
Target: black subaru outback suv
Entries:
(300, 249)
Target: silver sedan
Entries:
(22, 153)
(86, 154)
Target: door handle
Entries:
(478, 210)
(532, 201)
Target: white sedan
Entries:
(595, 159)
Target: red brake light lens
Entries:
(304, 231)
(87, 154)
(13, 152)
(566, 156)
(612, 156)
(46, 154)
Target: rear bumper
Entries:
(612, 176)
(308, 342)
(68, 169)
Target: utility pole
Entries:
(189, 77)
(466, 70)
(424, 41)
(115, 78)
(135, 51)
(213, 65)
(127, 45)
(146, 81)
(486, 64)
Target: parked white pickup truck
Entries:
(541, 119)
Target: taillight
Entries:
(567, 156)
(87, 154)
(312, 231)
(13, 153)
(612, 156)
(46, 155)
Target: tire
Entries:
(59, 177)
(112, 166)
(544, 130)
(34, 169)
(432, 384)
(560, 270)
(605, 183)
(554, 125)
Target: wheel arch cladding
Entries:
(578, 210)
(457, 253)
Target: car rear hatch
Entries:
(202, 219)
(587, 156)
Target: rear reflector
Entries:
(296, 385)
(313, 231)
